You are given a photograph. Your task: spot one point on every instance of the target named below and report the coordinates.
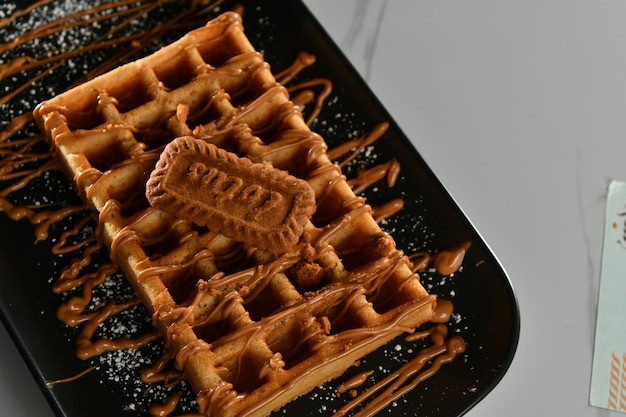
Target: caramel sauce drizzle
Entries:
(445, 262)
(159, 371)
(17, 152)
(165, 409)
(194, 16)
(409, 375)
(354, 382)
(62, 245)
(301, 93)
(23, 12)
(355, 146)
(366, 178)
(76, 377)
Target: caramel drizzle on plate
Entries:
(18, 151)
(409, 375)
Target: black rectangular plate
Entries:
(487, 314)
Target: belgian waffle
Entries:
(250, 329)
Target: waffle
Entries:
(250, 329)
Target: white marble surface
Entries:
(519, 107)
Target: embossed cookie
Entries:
(249, 202)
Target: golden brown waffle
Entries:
(251, 330)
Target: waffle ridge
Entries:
(251, 329)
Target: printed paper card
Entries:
(608, 379)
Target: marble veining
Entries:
(362, 33)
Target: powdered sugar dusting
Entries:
(336, 123)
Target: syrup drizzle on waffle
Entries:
(25, 158)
